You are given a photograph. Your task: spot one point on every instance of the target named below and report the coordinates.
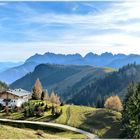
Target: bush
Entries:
(39, 111)
(33, 109)
(46, 108)
(29, 109)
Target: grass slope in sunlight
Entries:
(23, 131)
(7, 132)
(102, 122)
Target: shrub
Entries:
(39, 111)
(46, 108)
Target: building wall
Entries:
(14, 100)
(5, 95)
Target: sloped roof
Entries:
(18, 92)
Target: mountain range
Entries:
(12, 74)
(81, 85)
(64, 79)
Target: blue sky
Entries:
(27, 28)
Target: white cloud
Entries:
(109, 30)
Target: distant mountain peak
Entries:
(90, 54)
(104, 60)
(49, 53)
(107, 54)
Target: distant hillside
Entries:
(6, 65)
(65, 80)
(12, 74)
(114, 83)
(104, 60)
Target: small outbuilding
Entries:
(14, 97)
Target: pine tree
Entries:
(131, 112)
(99, 102)
(45, 96)
(37, 90)
(58, 100)
(53, 97)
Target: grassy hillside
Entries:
(14, 73)
(25, 132)
(8, 132)
(101, 122)
(65, 80)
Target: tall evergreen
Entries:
(45, 95)
(99, 102)
(131, 112)
(37, 90)
(53, 97)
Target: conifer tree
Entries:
(131, 112)
(37, 90)
(99, 102)
(53, 97)
(45, 96)
(58, 100)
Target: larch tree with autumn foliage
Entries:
(113, 102)
(37, 90)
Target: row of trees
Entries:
(40, 94)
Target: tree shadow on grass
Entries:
(50, 129)
(103, 123)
